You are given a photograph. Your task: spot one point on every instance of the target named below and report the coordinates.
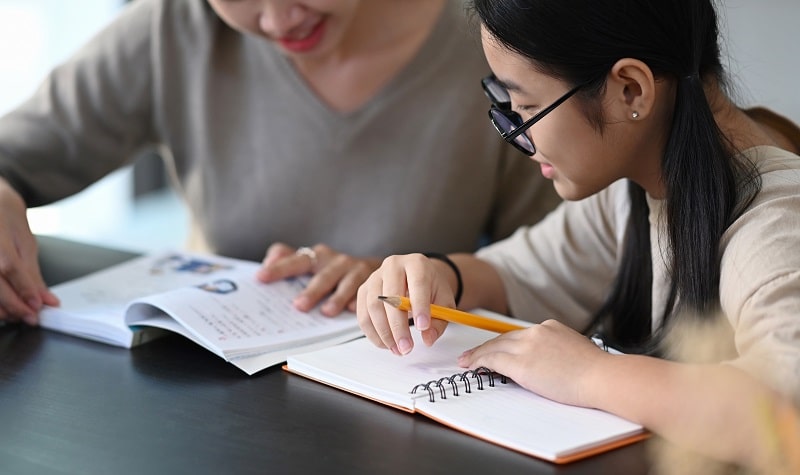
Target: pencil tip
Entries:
(393, 301)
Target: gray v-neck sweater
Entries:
(259, 158)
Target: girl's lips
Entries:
(304, 44)
(547, 170)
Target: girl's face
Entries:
(570, 151)
(306, 28)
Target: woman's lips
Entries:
(300, 45)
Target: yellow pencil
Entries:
(455, 316)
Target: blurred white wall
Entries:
(763, 38)
(36, 35)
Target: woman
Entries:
(681, 208)
(277, 121)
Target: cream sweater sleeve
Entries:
(563, 267)
(760, 275)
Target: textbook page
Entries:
(214, 301)
(93, 306)
(241, 317)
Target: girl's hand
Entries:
(549, 359)
(425, 281)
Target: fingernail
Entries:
(404, 345)
(302, 303)
(328, 308)
(30, 319)
(35, 304)
(430, 336)
(54, 298)
(422, 321)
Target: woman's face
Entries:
(570, 151)
(307, 28)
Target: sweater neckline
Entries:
(426, 58)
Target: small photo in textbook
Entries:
(478, 402)
(215, 301)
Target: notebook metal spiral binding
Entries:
(453, 380)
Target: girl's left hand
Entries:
(549, 359)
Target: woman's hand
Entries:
(336, 275)
(22, 289)
(425, 281)
(549, 359)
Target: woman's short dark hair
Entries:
(578, 41)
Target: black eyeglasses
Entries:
(508, 122)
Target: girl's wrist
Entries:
(458, 288)
(595, 380)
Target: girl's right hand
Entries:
(424, 281)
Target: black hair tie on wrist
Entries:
(449, 262)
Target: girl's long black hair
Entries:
(707, 185)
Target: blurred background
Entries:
(133, 209)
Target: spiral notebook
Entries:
(428, 381)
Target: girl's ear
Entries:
(631, 90)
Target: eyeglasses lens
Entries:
(506, 122)
(496, 93)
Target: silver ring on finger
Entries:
(308, 252)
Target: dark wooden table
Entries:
(69, 406)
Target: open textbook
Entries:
(214, 301)
(480, 403)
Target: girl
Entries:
(680, 208)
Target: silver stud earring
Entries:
(635, 115)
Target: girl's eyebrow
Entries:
(509, 86)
